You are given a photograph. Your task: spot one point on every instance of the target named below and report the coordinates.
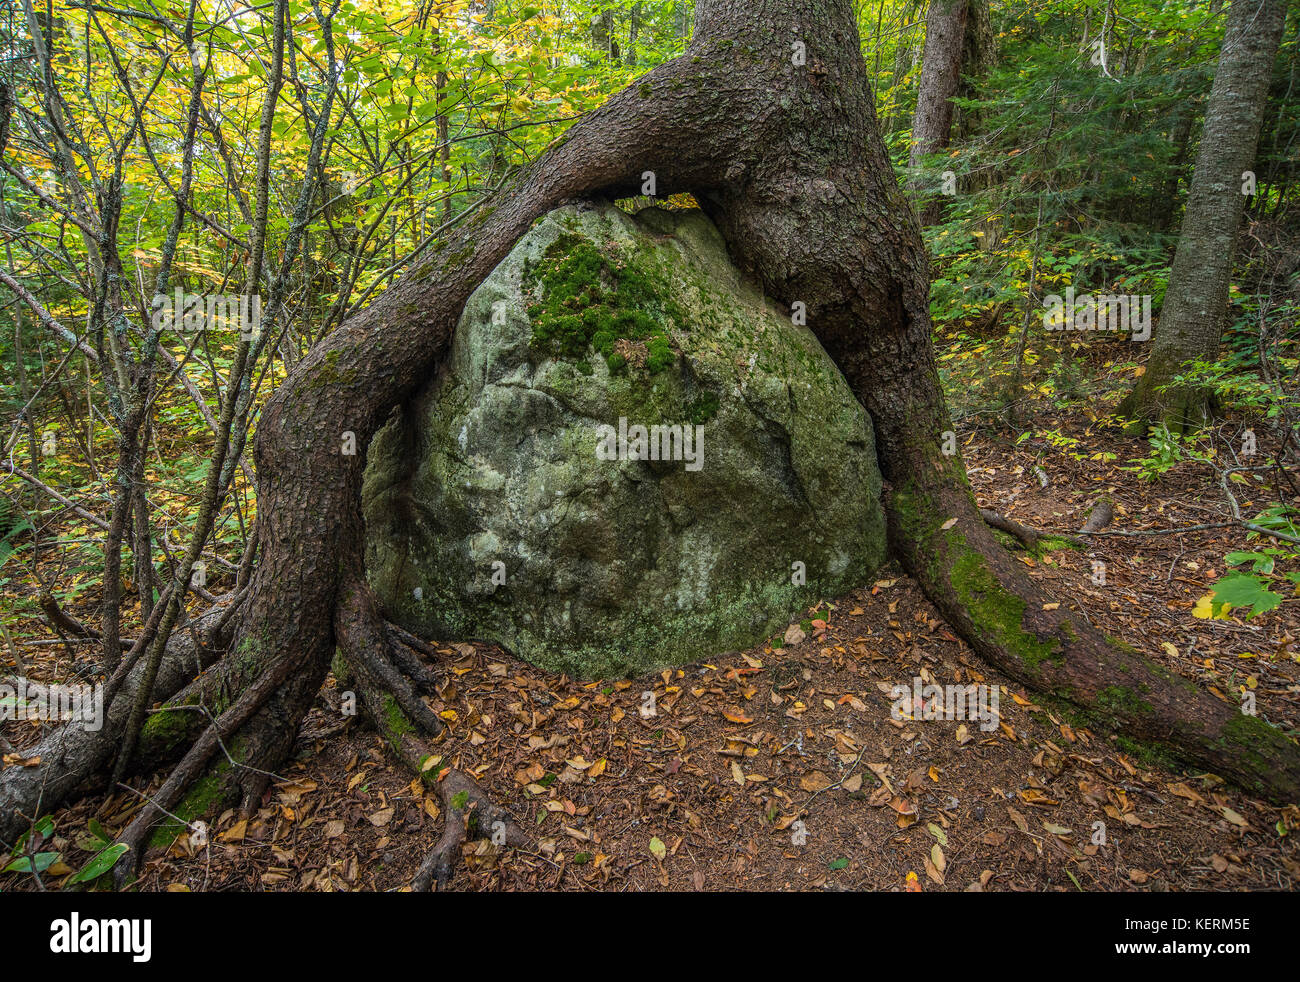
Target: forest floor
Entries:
(709, 793)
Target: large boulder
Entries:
(500, 504)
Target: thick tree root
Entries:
(74, 759)
(467, 811)
(193, 764)
(388, 675)
(1053, 649)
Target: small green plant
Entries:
(29, 856)
(1250, 590)
(1168, 450)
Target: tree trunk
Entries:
(945, 36)
(787, 160)
(1196, 300)
(978, 53)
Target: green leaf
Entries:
(23, 864)
(1262, 563)
(1242, 590)
(838, 864)
(100, 863)
(97, 830)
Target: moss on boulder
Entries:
(491, 515)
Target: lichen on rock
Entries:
(490, 515)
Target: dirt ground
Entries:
(781, 768)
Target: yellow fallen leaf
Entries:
(1204, 609)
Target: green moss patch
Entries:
(592, 298)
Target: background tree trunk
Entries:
(945, 38)
(1196, 300)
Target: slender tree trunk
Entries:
(978, 52)
(633, 31)
(1196, 300)
(1181, 137)
(786, 157)
(945, 36)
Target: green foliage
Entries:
(1253, 591)
(1167, 451)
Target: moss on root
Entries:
(1262, 746)
(206, 795)
(163, 731)
(996, 612)
(1123, 701)
(396, 724)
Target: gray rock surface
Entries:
(623, 566)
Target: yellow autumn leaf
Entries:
(1204, 609)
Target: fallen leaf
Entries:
(936, 857)
(815, 781)
(1232, 817)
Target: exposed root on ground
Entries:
(466, 810)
